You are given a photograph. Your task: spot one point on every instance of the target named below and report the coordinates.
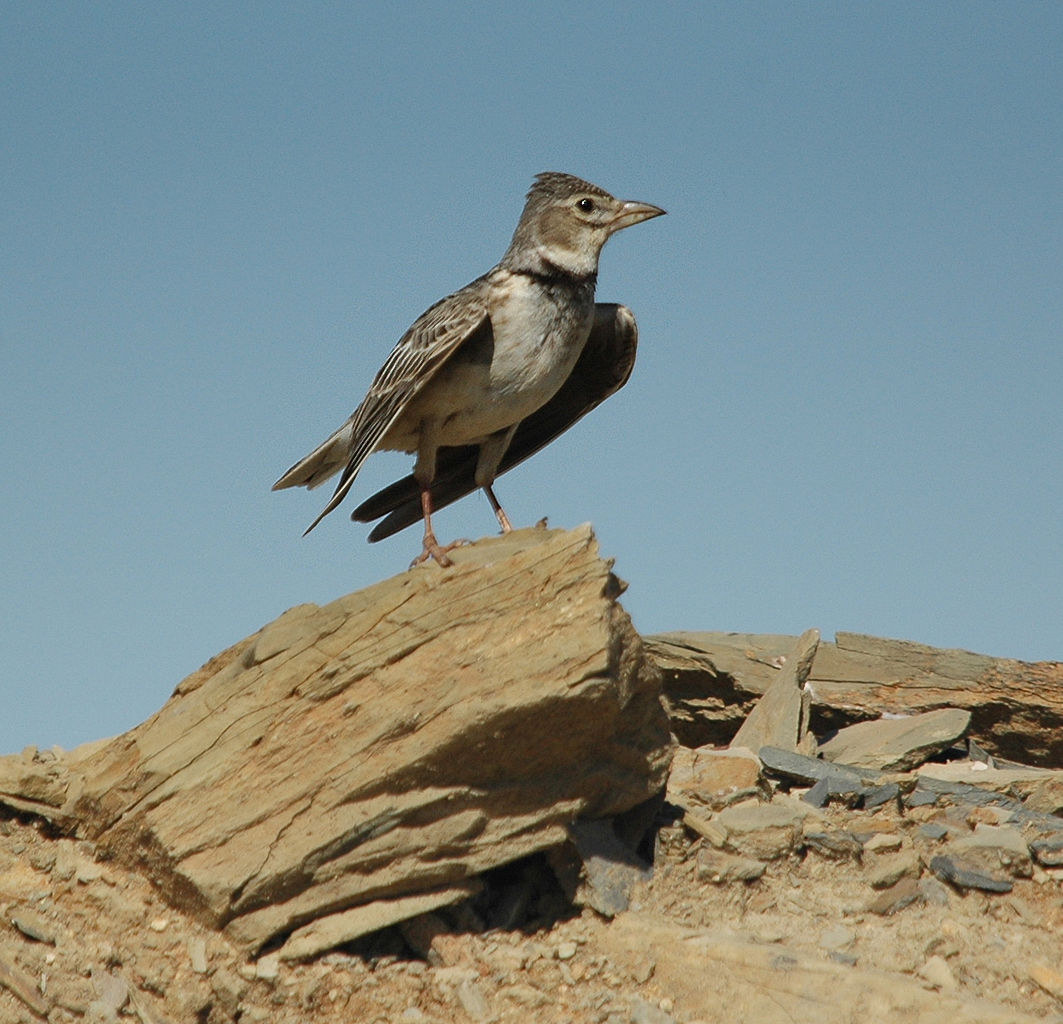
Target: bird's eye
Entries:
(586, 205)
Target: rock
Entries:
(836, 845)
(1047, 978)
(933, 830)
(230, 988)
(937, 972)
(761, 831)
(1049, 850)
(473, 1001)
(33, 925)
(780, 717)
(1046, 794)
(837, 937)
(720, 867)
(995, 847)
(712, 679)
(883, 842)
(23, 988)
(896, 743)
(393, 744)
(877, 796)
(712, 778)
(610, 869)
(112, 990)
(345, 926)
(887, 871)
(898, 896)
(645, 1012)
(966, 874)
(197, 955)
(800, 768)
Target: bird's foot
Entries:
(431, 548)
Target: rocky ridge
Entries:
(813, 864)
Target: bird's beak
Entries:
(633, 213)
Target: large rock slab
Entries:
(382, 750)
(896, 744)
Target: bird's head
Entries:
(565, 223)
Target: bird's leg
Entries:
(431, 548)
(500, 512)
(424, 472)
(487, 463)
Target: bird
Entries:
(488, 375)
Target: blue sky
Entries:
(218, 219)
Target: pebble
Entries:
(473, 1001)
(895, 898)
(197, 954)
(837, 937)
(937, 972)
(33, 926)
(883, 842)
(889, 870)
(645, 1012)
(1047, 978)
(267, 968)
(566, 950)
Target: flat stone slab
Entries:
(896, 744)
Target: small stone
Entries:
(1048, 851)
(843, 958)
(719, 867)
(933, 892)
(996, 846)
(712, 777)
(645, 1012)
(895, 898)
(43, 857)
(933, 830)
(160, 924)
(112, 990)
(837, 937)
(566, 950)
(1047, 978)
(33, 926)
(473, 1001)
(267, 968)
(761, 831)
(883, 842)
(88, 871)
(840, 845)
(819, 794)
(197, 954)
(877, 796)
(967, 875)
(938, 973)
(230, 988)
(889, 870)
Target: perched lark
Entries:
(490, 374)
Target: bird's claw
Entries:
(432, 549)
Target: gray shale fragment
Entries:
(964, 875)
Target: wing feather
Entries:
(432, 339)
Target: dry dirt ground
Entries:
(82, 940)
